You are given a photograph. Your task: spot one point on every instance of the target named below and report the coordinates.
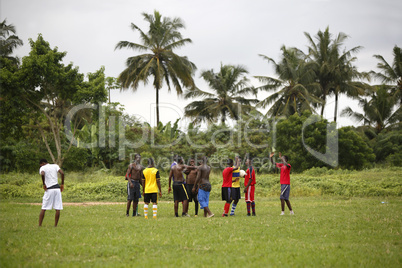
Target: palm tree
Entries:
(379, 110)
(391, 74)
(230, 85)
(161, 62)
(8, 41)
(345, 73)
(296, 83)
(333, 68)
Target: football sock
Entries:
(196, 207)
(226, 208)
(253, 207)
(248, 207)
(176, 214)
(233, 209)
(145, 210)
(155, 210)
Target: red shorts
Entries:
(250, 194)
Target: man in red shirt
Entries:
(284, 180)
(227, 184)
(249, 182)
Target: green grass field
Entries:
(324, 232)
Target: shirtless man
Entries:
(179, 189)
(191, 176)
(204, 187)
(133, 175)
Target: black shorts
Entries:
(179, 191)
(191, 196)
(236, 195)
(133, 193)
(227, 194)
(152, 197)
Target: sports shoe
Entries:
(210, 216)
(185, 215)
(282, 213)
(248, 214)
(292, 213)
(127, 215)
(224, 215)
(232, 214)
(146, 217)
(154, 217)
(253, 214)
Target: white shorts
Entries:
(52, 199)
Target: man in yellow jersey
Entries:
(150, 186)
(236, 194)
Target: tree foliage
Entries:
(230, 87)
(161, 63)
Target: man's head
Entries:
(137, 158)
(42, 162)
(285, 157)
(249, 161)
(151, 162)
(203, 160)
(229, 162)
(179, 160)
(192, 162)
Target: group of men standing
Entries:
(195, 187)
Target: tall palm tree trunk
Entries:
(157, 106)
(336, 107)
(323, 105)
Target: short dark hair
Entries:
(229, 162)
(42, 161)
(286, 158)
(150, 161)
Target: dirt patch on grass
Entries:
(90, 203)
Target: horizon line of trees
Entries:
(38, 93)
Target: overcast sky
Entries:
(222, 31)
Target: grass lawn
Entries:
(324, 232)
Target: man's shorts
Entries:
(52, 199)
(179, 191)
(226, 194)
(133, 193)
(249, 196)
(151, 197)
(203, 198)
(236, 193)
(285, 191)
(191, 195)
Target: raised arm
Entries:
(271, 158)
(237, 162)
